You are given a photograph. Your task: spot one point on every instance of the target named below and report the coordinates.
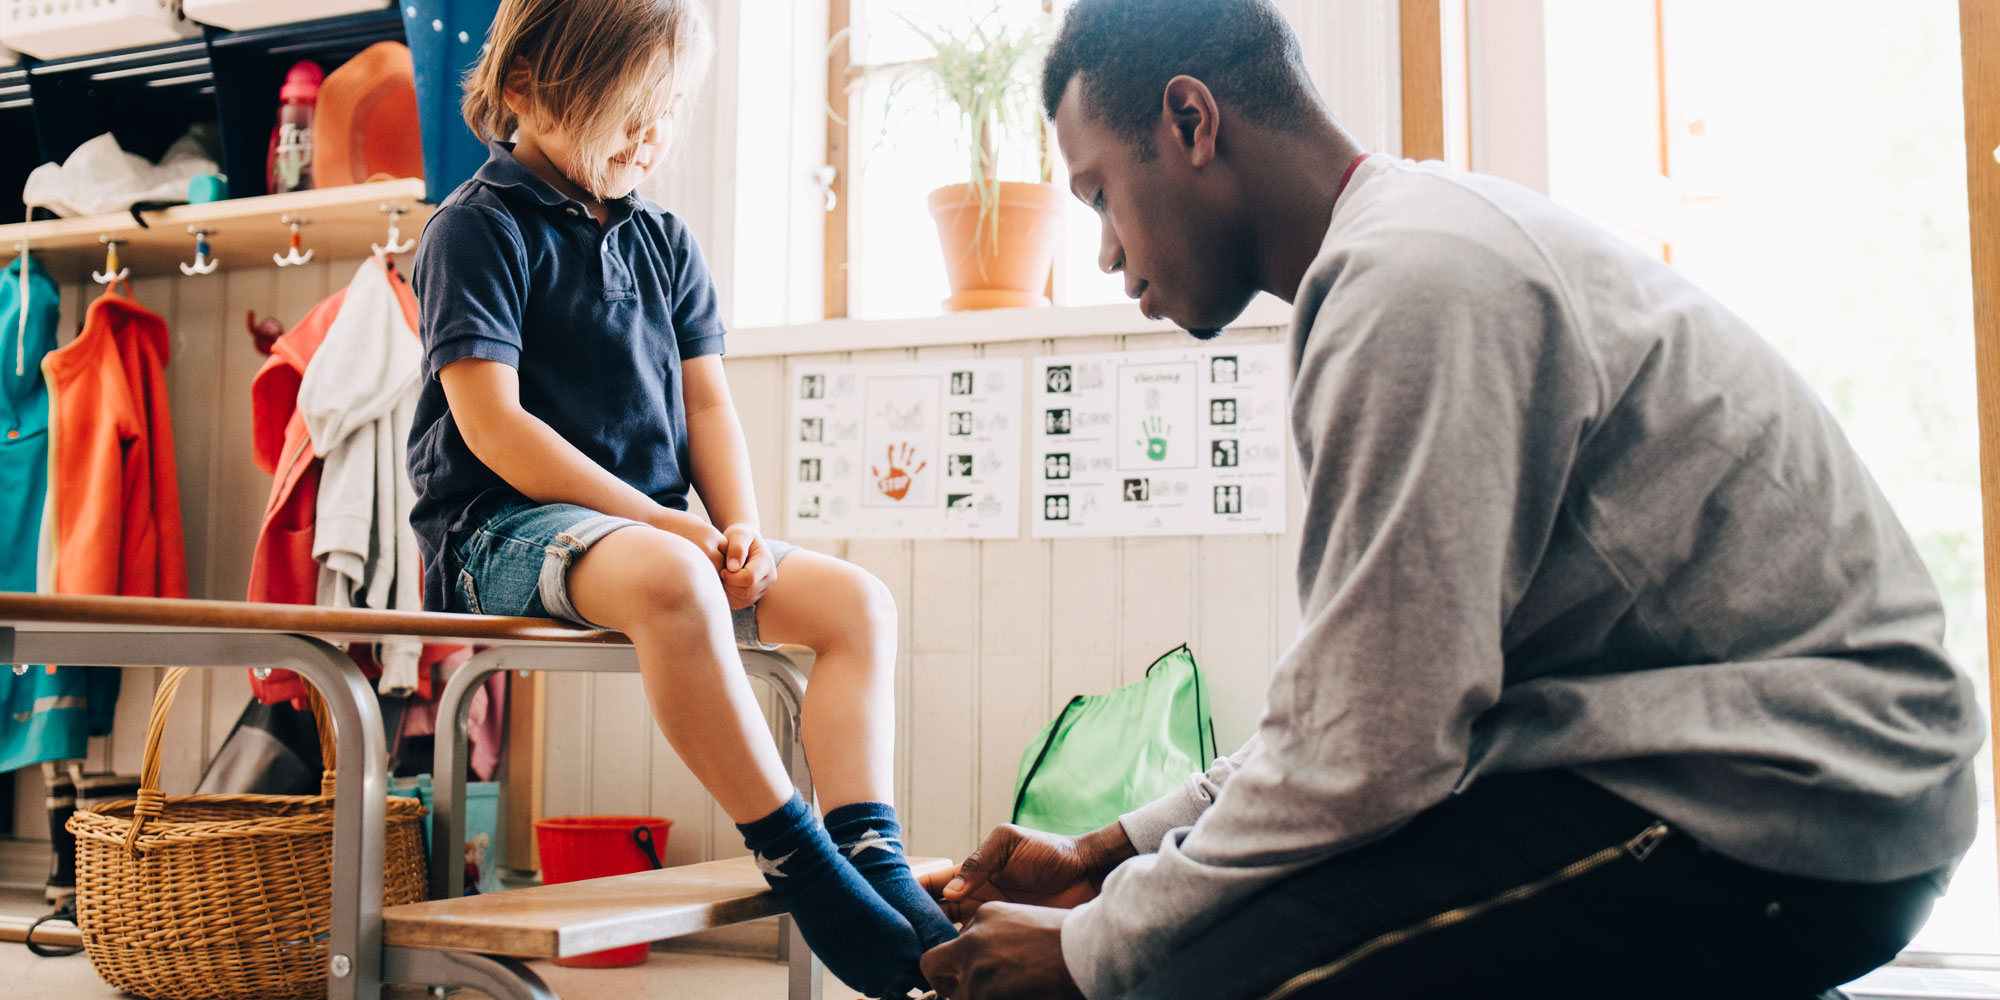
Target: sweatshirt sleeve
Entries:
(1437, 405)
(1149, 824)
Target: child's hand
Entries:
(747, 567)
(694, 529)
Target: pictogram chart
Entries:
(923, 449)
(1177, 442)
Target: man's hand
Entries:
(1009, 951)
(747, 567)
(1019, 865)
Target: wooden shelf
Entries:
(345, 221)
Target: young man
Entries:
(1617, 675)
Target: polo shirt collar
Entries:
(503, 169)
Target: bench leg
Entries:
(354, 932)
(776, 668)
(496, 976)
(805, 974)
(448, 755)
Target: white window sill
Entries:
(984, 327)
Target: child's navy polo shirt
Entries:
(596, 319)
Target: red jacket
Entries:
(112, 485)
(282, 570)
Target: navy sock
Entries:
(859, 936)
(872, 841)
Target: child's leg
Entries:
(848, 618)
(662, 591)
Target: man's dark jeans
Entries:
(1545, 886)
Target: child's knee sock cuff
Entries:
(783, 819)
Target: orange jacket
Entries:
(112, 486)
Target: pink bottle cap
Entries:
(302, 83)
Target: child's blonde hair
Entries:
(593, 66)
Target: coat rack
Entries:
(346, 222)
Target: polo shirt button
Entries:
(571, 211)
(13, 434)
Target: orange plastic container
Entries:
(575, 848)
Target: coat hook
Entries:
(111, 274)
(203, 263)
(263, 332)
(824, 176)
(396, 244)
(294, 257)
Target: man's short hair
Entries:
(1126, 51)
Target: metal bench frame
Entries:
(131, 632)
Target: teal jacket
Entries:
(47, 716)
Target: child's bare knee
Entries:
(875, 605)
(676, 573)
(862, 612)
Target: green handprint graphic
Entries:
(1155, 429)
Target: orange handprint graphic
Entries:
(895, 484)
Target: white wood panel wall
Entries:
(995, 635)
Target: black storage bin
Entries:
(19, 150)
(145, 97)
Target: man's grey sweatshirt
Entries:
(1563, 510)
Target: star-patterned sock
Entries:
(871, 840)
(863, 939)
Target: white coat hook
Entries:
(824, 176)
(111, 274)
(203, 263)
(396, 244)
(293, 258)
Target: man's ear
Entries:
(1190, 110)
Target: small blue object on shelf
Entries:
(446, 38)
(482, 827)
(204, 188)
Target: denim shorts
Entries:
(516, 562)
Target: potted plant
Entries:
(998, 236)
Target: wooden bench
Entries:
(577, 918)
(476, 941)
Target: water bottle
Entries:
(289, 164)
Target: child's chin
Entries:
(620, 182)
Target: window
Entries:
(898, 154)
(1808, 169)
(762, 158)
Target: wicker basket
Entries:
(222, 897)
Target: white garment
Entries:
(101, 177)
(359, 397)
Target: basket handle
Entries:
(323, 725)
(152, 802)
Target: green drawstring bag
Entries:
(1108, 754)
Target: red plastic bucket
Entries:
(575, 848)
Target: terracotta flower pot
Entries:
(1017, 274)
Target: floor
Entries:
(666, 974)
(710, 976)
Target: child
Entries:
(574, 394)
